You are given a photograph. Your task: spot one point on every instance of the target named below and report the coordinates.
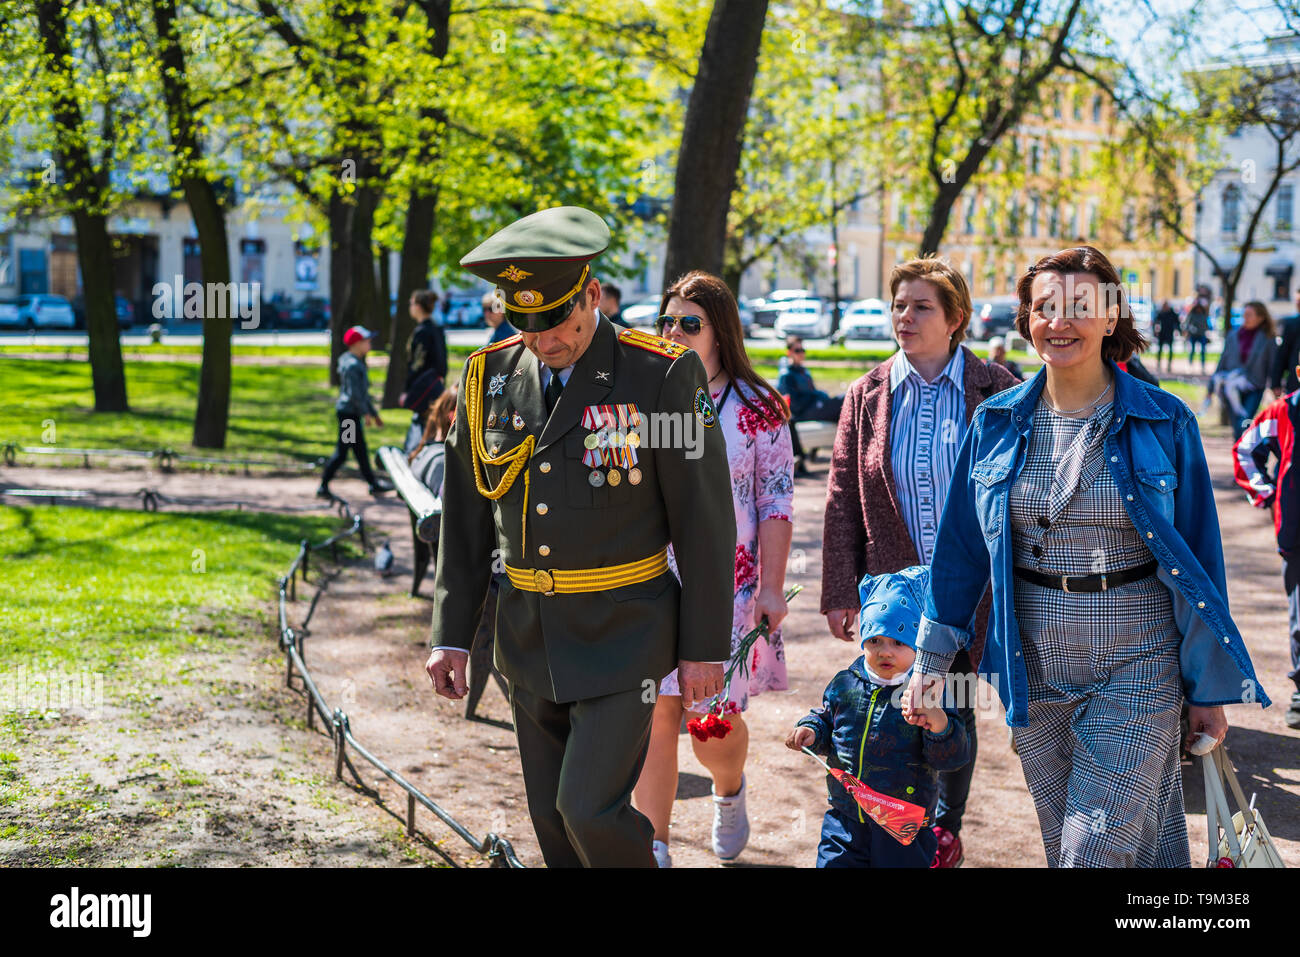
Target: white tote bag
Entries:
(1239, 838)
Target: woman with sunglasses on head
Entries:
(1083, 495)
(699, 311)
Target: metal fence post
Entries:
(410, 814)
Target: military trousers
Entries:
(581, 760)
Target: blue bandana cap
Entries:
(892, 604)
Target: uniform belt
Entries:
(564, 581)
(1088, 583)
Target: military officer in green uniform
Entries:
(558, 468)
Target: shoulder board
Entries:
(652, 343)
(509, 341)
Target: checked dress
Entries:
(1100, 754)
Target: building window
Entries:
(1231, 209)
(1076, 103)
(1033, 216)
(1033, 158)
(1054, 221)
(1285, 209)
(1178, 281)
(1013, 218)
(1092, 221)
(1096, 108)
(1074, 161)
(1011, 277)
(1054, 155)
(1129, 224)
(1074, 220)
(970, 215)
(1056, 105)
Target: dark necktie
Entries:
(553, 390)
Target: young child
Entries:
(860, 726)
(1274, 433)
(352, 407)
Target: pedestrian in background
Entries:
(1245, 366)
(1167, 326)
(1197, 327)
(807, 402)
(998, 354)
(611, 304)
(1273, 433)
(494, 314)
(354, 409)
(426, 363)
(1288, 354)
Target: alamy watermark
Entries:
(209, 300)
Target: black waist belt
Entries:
(1073, 583)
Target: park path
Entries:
(369, 639)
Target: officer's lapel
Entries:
(589, 383)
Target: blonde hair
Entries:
(954, 294)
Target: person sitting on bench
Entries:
(807, 402)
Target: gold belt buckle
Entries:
(544, 582)
(1065, 583)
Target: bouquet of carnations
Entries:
(714, 724)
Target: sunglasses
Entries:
(691, 325)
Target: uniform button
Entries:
(1151, 534)
(1227, 640)
(1173, 571)
(544, 467)
(542, 508)
(1017, 654)
(1038, 551)
(1200, 604)
(1162, 481)
(543, 550)
(1114, 458)
(1044, 521)
(1129, 497)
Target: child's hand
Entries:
(934, 720)
(800, 738)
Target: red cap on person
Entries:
(356, 334)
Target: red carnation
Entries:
(697, 729)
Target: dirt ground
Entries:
(367, 645)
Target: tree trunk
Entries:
(212, 411)
(712, 138)
(940, 213)
(341, 276)
(412, 276)
(421, 216)
(84, 188)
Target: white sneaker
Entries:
(730, 824)
(660, 851)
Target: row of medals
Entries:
(597, 478)
(615, 438)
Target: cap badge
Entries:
(528, 297)
(513, 274)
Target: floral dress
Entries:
(761, 458)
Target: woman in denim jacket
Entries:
(1109, 594)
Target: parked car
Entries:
(805, 318)
(642, 313)
(993, 317)
(866, 319)
(9, 313)
(310, 313)
(42, 310)
(769, 309)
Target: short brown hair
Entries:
(954, 294)
(426, 299)
(1122, 344)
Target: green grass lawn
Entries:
(86, 590)
(276, 411)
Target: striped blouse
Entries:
(927, 424)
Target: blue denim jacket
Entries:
(1154, 453)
